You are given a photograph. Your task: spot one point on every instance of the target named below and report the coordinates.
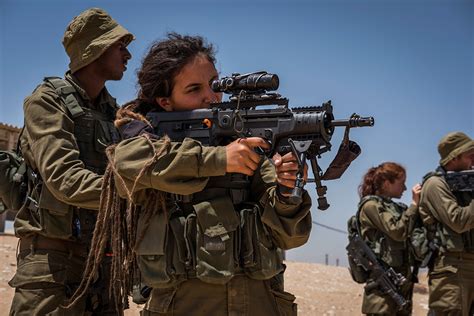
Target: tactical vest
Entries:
(209, 238)
(446, 239)
(212, 235)
(393, 253)
(93, 131)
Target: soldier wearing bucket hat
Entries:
(68, 125)
(449, 218)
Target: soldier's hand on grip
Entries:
(241, 156)
(286, 168)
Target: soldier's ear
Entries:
(164, 103)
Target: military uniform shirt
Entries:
(49, 146)
(373, 216)
(186, 168)
(438, 200)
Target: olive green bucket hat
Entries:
(453, 145)
(89, 35)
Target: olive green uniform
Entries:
(449, 218)
(212, 255)
(386, 226)
(63, 142)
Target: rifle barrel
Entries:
(355, 121)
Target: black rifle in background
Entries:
(385, 280)
(252, 111)
(461, 180)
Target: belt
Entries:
(237, 195)
(38, 242)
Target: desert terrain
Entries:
(320, 290)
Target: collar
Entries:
(104, 99)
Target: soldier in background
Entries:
(449, 219)
(68, 125)
(386, 227)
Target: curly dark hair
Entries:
(164, 60)
(376, 176)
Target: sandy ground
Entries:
(319, 289)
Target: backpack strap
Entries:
(66, 92)
(18, 144)
(364, 200)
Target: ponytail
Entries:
(375, 177)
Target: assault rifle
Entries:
(386, 280)
(305, 131)
(461, 180)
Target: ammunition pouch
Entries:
(56, 217)
(212, 240)
(158, 258)
(216, 238)
(58, 220)
(260, 258)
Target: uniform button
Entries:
(233, 292)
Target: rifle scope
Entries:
(252, 82)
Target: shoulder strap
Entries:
(439, 172)
(18, 144)
(66, 92)
(364, 200)
(22, 168)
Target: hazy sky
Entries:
(407, 63)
